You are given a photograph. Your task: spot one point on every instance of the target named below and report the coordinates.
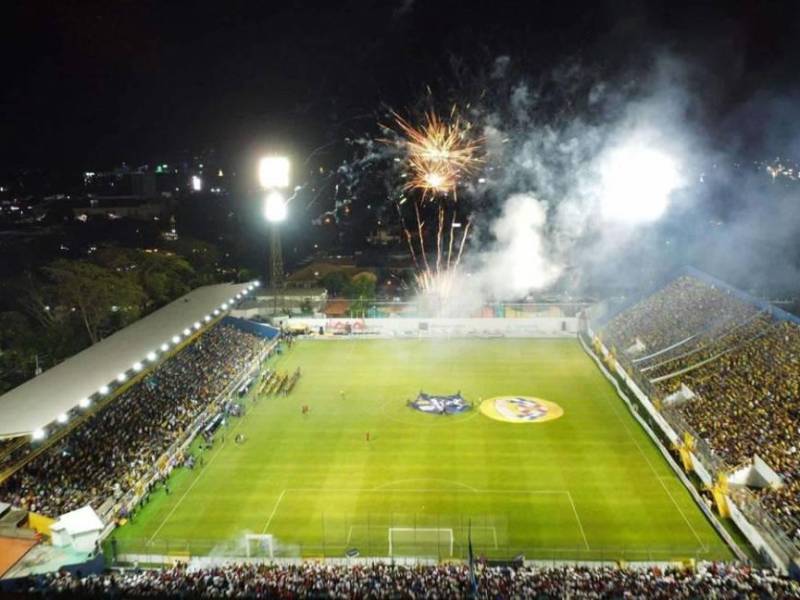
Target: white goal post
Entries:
(433, 537)
(259, 545)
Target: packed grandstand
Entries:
(381, 580)
(107, 455)
(740, 359)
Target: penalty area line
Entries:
(578, 518)
(274, 510)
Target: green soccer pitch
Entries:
(589, 485)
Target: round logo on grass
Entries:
(521, 409)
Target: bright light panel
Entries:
(197, 183)
(273, 172)
(38, 434)
(62, 418)
(152, 356)
(84, 403)
(275, 207)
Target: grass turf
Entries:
(590, 485)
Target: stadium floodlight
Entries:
(122, 377)
(224, 306)
(137, 366)
(197, 325)
(62, 418)
(176, 339)
(256, 283)
(273, 172)
(84, 403)
(152, 356)
(38, 435)
(104, 390)
(165, 346)
(275, 207)
(187, 332)
(216, 312)
(207, 318)
(637, 181)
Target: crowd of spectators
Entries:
(684, 308)
(744, 372)
(447, 581)
(113, 449)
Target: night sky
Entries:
(89, 84)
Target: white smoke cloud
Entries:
(518, 261)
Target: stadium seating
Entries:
(380, 580)
(743, 366)
(111, 451)
(684, 308)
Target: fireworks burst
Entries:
(439, 154)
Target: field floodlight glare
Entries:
(216, 312)
(187, 331)
(224, 306)
(176, 339)
(273, 172)
(165, 346)
(275, 207)
(152, 356)
(122, 377)
(197, 325)
(84, 403)
(38, 434)
(104, 390)
(62, 418)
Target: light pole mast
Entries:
(273, 174)
(275, 257)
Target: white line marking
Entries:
(577, 517)
(199, 476)
(274, 510)
(419, 491)
(399, 481)
(186, 493)
(653, 469)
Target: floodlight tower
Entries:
(273, 174)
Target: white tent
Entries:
(80, 529)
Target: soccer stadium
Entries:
(400, 300)
(557, 440)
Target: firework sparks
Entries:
(438, 153)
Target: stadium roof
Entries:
(41, 400)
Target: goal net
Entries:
(259, 545)
(420, 541)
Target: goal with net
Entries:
(259, 545)
(420, 541)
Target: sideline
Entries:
(721, 531)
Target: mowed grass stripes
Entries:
(588, 485)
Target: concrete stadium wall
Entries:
(418, 327)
